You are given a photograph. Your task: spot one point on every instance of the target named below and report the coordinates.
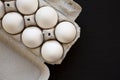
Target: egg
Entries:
(27, 6)
(13, 23)
(32, 37)
(65, 32)
(52, 51)
(46, 17)
(2, 11)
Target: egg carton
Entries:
(67, 11)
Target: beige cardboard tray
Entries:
(12, 48)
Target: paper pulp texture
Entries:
(17, 62)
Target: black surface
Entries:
(96, 55)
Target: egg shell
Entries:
(52, 51)
(2, 11)
(65, 32)
(27, 6)
(13, 23)
(46, 17)
(32, 37)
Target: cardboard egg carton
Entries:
(67, 10)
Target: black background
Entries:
(96, 55)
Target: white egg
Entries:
(27, 6)
(32, 37)
(2, 11)
(65, 32)
(13, 23)
(52, 51)
(46, 17)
